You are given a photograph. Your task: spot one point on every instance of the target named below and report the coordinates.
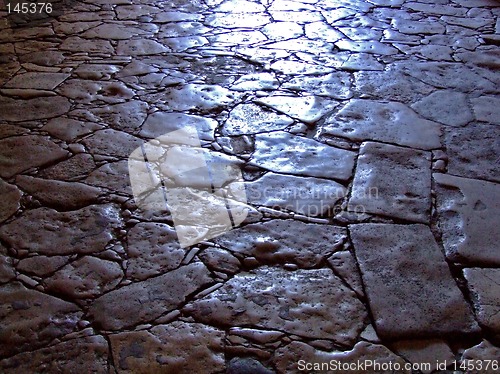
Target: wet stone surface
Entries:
(360, 137)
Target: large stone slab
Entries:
(304, 195)
(391, 122)
(152, 249)
(58, 194)
(111, 142)
(31, 319)
(273, 242)
(147, 300)
(285, 153)
(392, 181)
(308, 303)
(87, 230)
(473, 151)
(177, 347)
(20, 153)
(484, 287)
(37, 108)
(161, 123)
(84, 278)
(468, 211)
(299, 357)
(445, 106)
(408, 283)
(81, 355)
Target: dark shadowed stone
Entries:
(308, 303)
(86, 277)
(468, 210)
(37, 80)
(81, 355)
(147, 300)
(483, 351)
(285, 153)
(7, 271)
(69, 129)
(113, 176)
(178, 347)
(429, 352)
(271, 242)
(15, 157)
(287, 358)
(152, 249)
(484, 287)
(31, 319)
(218, 259)
(57, 194)
(473, 151)
(112, 143)
(392, 181)
(71, 169)
(10, 200)
(246, 366)
(128, 116)
(87, 230)
(391, 122)
(41, 265)
(402, 268)
(38, 108)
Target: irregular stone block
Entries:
(307, 109)
(7, 271)
(177, 347)
(113, 176)
(308, 303)
(198, 96)
(335, 85)
(147, 300)
(473, 151)
(392, 181)
(251, 118)
(32, 109)
(152, 249)
(10, 200)
(387, 122)
(402, 268)
(298, 357)
(468, 210)
(285, 153)
(448, 107)
(69, 129)
(271, 242)
(73, 168)
(14, 157)
(81, 355)
(63, 196)
(487, 109)
(31, 319)
(112, 143)
(86, 277)
(484, 287)
(87, 230)
(305, 195)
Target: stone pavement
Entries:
(368, 132)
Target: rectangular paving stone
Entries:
(484, 286)
(391, 122)
(410, 289)
(468, 211)
(392, 181)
